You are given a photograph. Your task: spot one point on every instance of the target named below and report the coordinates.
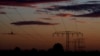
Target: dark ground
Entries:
(57, 50)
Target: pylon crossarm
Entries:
(62, 34)
(77, 41)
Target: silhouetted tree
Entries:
(17, 51)
(58, 47)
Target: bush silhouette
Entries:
(58, 48)
(17, 49)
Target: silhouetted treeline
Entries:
(57, 50)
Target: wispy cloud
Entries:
(17, 4)
(2, 12)
(93, 10)
(31, 0)
(46, 18)
(93, 2)
(94, 14)
(19, 23)
(26, 2)
(64, 15)
(79, 7)
(78, 21)
(11, 33)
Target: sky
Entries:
(33, 24)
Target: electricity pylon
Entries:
(68, 34)
(79, 44)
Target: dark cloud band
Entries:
(88, 7)
(2, 12)
(32, 0)
(32, 23)
(25, 2)
(94, 14)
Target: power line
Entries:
(12, 20)
(76, 25)
(20, 16)
(65, 32)
(64, 25)
(54, 28)
(8, 27)
(36, 31)
(79, 44)
(5, 25)
(23, 17)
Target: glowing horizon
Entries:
(33, 26)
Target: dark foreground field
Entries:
(56, 50)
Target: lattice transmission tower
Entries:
(78, 42)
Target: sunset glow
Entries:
(31, 24)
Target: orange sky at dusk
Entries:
(44, 24)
